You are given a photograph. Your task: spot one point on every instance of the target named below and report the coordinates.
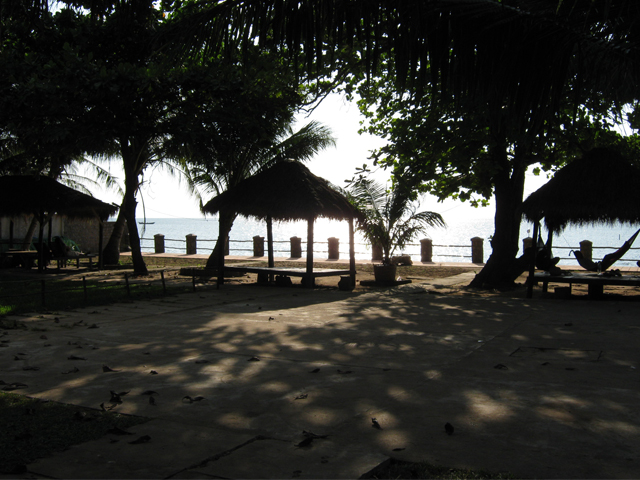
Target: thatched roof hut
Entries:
(42, 196)
(25, 194)
(599, 188)
(287, 191)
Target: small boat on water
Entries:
(146, 223)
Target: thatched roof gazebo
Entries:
(599, 188)
(287, 191)
(42, 196)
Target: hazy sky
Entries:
(164, 197)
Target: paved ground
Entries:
(544, 388)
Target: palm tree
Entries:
(390, 217)
(224, 162)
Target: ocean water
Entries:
(450, 244)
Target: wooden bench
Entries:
(264, 272)
(595, 282)
(61, 261)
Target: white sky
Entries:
(165, 197)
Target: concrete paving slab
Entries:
(170, 448)
(272, 458)
(543, 388)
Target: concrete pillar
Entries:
(158, 243)
(586, 248)
(477, 250)
(376, 253)
(527, 243)
(258, 246)
(334, 248)
(192, 244)
(426, 250)
(296, 247)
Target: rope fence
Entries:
(52, 291)
(191, 245)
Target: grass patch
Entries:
(399, 469)
(66, 294)
(33, 428)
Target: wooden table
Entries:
(26, 258)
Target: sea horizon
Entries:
(450, 244)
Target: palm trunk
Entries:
(225, 220)
(129, 207)
(111, 251)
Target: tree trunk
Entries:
(111, 251)
(26, 242)
(129, 207)
(502, 267)
(225, 220)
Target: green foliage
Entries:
(390, 217)
(104, 81)
(455, 149)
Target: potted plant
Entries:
(390, 219)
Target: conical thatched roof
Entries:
(599, 188)
(285, 191)
(25, 194)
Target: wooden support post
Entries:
(158, 243)
(352, 253)
(532, 265)
(426, 250)
(309, 277)
(84, 288)
(477, 250)
(334, 248)
(41, 242)
(192, 244)
(164, 286)
(258, 246)
(296, 247)
(100, 246)
(376, 253)
(271, 261)
(220, 257)
(586, 248)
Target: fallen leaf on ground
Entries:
(118, 431)
(142, 439)
(305, 443)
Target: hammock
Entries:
(608, 259)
